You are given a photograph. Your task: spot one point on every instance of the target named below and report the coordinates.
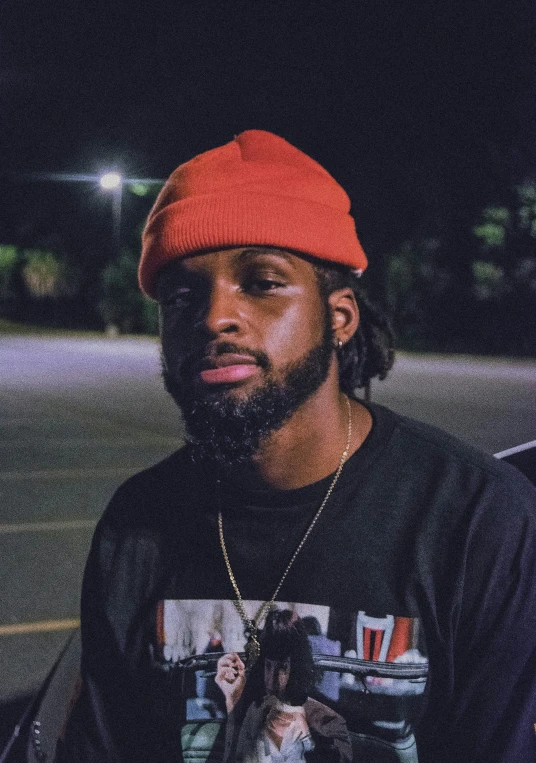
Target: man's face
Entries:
(246, 339)
(276, 676)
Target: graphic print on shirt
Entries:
(328, 685)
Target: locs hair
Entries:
(370, 353)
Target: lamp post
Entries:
(109, 181)
(113, 181)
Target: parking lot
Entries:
(80, 415)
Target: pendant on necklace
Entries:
(252, 646)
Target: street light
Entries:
(109, 181)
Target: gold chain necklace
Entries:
(251, 626)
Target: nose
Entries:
(223, 314)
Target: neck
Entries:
(310, 444)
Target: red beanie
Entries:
(256, 190)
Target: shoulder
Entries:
(150, 497)
(432, 483)
(149, 514)
(432, 453)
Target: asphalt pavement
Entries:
(77, 416)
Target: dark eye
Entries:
(263, 285)
(180, 298)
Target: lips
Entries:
(228, 368)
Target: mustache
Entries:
(191, 363)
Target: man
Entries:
(276, 717)
(291, 489)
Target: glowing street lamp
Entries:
(110, 181)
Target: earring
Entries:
(339, 344)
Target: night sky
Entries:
(422, 110)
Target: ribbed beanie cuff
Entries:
(256, 190)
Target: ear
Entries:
(344, 314)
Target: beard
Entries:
(229, 430)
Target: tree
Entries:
(122, 306)
(8, 261)
(45, 275)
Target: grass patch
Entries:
(29, 329)
(17, 328)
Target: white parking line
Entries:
(57, 442)
(33, 527)
(44, 626)
(70, 474)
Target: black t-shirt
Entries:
(417, 589)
